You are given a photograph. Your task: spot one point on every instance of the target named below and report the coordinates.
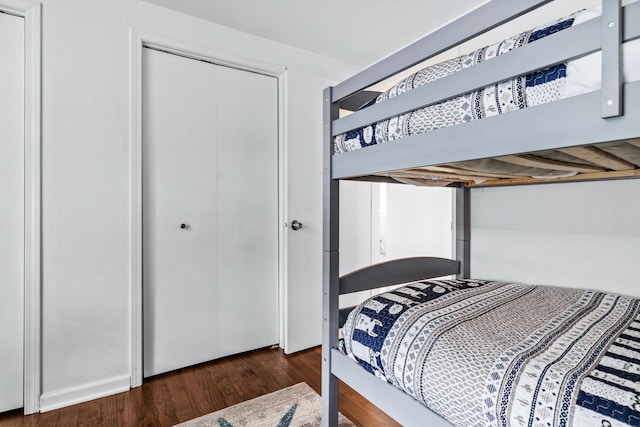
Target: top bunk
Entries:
(531, 108)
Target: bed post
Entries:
(330, 275)
(463, 230)
(611, 58)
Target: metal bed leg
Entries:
(329, 340)
(331, 278)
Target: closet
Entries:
(210, 211)
(11, 210)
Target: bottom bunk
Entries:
(494, 353)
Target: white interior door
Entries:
(248, 210)
(180, 280)
(11, 210)
(210, 203)
(303, 299)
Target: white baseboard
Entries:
(83, 393)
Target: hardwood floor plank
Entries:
(188, 393)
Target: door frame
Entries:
(32, 14)
(140, 40)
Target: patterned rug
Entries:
(295, 406)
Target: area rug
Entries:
(295, 406)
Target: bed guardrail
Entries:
(468, 26)
(563, 46)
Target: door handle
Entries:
(296, 225)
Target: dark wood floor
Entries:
(191, 392)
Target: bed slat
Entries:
(532, 161)
(599, 157)
(464, 171)
(576, 178)
(423, 174)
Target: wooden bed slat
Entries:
(599, 157)
(436, 176)
(464, 171)
(420, 182)
(529, 160)
(447, 179)
(635, 173)
(603, 166)
(634, 142)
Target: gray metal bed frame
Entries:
(601, 116)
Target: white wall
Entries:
(417, 222)
(356, 215)
(355, 225)
(576, 235)
(86, 167)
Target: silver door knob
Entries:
(296, 225)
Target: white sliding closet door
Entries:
(11, 210)
(210, 206)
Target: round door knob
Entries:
(183, 225)
(296, 225)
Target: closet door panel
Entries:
(248, 210)
(180, 268)
(11, 210)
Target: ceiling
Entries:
(358, 32)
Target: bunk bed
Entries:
(587, 136)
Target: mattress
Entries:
(487, 353)
(546, 85)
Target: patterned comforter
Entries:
(520, 92)
(483, 353)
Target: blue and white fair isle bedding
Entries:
(546, 85)
(485, 353)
